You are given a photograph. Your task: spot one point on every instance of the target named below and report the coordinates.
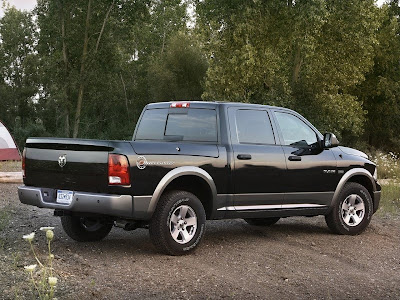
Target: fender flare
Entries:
(176, 173)
(351, 173)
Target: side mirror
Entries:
(330, 140)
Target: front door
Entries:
(311, 176)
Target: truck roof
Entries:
(209, 104)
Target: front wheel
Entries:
(84, 229)
(178, 223)
(352, 211)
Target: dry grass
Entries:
(10, 166)
(388, 165)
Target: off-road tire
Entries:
(262, 221)
(160, 225)
(78, 229)
(336, 219)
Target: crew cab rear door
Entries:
(259, 162)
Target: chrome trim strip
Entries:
(272, 206)
(276, 194)
(178, 172)
(302, 205)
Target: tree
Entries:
(380, 92)
(78, 61)
(178, 73)
(18, 66)
(307, 55)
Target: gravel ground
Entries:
(298, 258)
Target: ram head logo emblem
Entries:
(62, 160)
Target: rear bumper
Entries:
(111, 205)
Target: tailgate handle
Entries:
(295, 158)
(244, 156)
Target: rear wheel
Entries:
(178, 224)
(352, 211)
(262, 221)
(84, 229)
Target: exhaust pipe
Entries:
(125, 225)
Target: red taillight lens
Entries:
(23, 163)
(118, 170)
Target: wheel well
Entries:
(364, 181)
(196, 186)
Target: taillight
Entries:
(23, 162)
(118, 170)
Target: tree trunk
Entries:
(66, 72)
(298, 60)
(126, 96)
(104, 25)
(82, 73)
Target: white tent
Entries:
(8, 148)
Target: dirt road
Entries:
(298, 258)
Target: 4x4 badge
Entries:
(62, 160)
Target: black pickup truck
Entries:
(192, 161)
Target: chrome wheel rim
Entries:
(353, 210)
(183, 224)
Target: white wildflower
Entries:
(29, 237)
(52, 281)
(30, 268)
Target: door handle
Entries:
(244, 156)
(295, 158)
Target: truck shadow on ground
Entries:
(219, 233)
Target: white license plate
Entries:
(64, 197)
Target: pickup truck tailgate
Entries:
(69, 164)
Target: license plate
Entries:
(64, 197)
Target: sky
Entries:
(20, 4)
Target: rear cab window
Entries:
(191, 124)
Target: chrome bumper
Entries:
(111, 205)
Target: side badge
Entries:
(141, 162)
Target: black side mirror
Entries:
(330, 140)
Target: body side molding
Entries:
(178, 172)
(271, 206)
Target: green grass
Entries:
(390, 199)
(10, 166)
(4, 218)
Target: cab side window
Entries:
(294, 131)
(254, 127)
